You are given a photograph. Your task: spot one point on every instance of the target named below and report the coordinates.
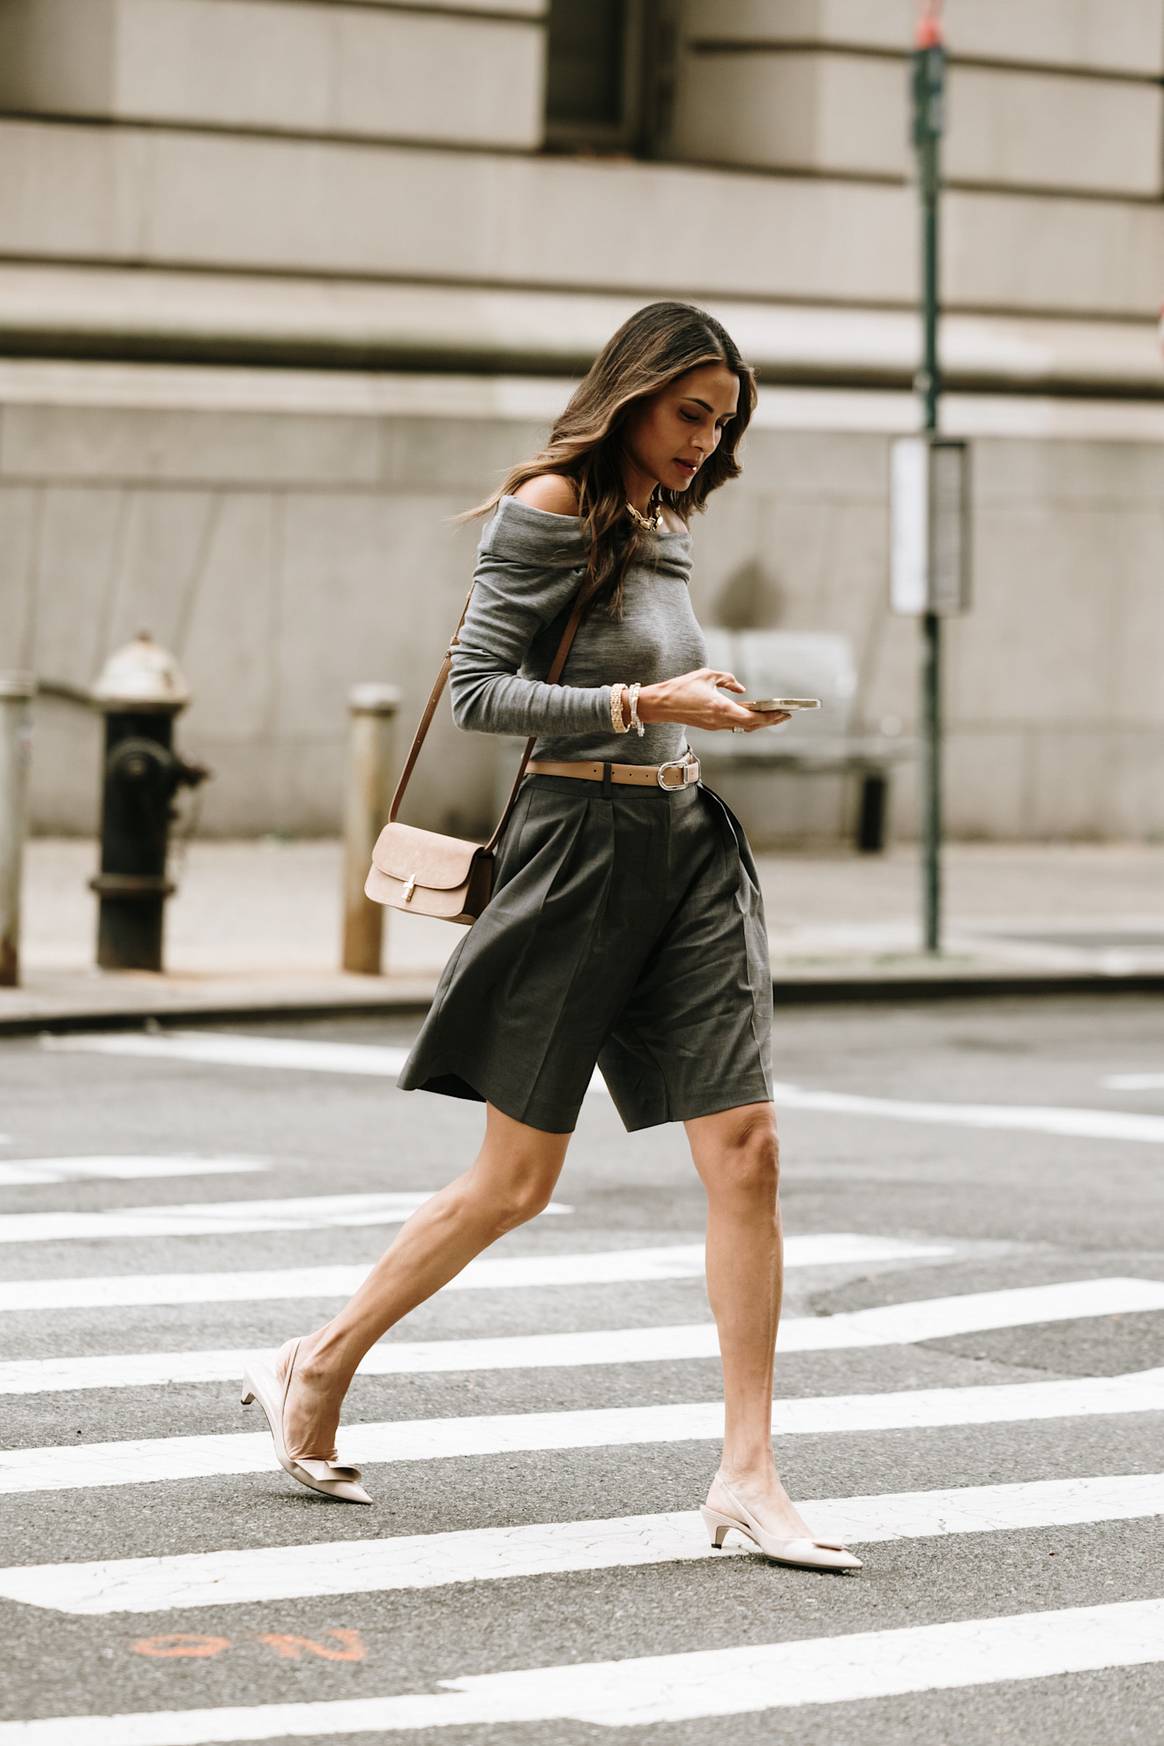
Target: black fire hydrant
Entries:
(140, 691)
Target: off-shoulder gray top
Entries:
(529, 567)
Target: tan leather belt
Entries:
(644, 775)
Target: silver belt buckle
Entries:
(684, 764)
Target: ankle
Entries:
(754, 1474)
(323, 1361)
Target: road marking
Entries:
(605, 1266)
(144, 1461)
(195, 1218)
(1135, 1081)
(188, 1646)
(846, 1667)
(238, 1576)
(237, 1049)
(44, 1170)
(230, 1049)
(888, 1325)
(227, 1049)
(1086, 1124)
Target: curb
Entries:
(990, 984)
(793, 991)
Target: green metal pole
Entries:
(928, 83)
(931, 623)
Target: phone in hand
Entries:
(764, 703)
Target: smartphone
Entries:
(780, 702)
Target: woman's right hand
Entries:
(695, 700)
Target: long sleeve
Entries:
(529, 567)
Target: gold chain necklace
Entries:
(650, 524)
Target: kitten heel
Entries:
(716, 1525)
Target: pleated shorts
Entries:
(625, 929)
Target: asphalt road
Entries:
(162, 1580)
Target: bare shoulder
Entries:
(551, 491)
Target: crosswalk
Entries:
(639, 1690)
(413, 1561)
(668, 1261)
(532, 1330)
(38, 1171)
(891, 1325)
(200, 1218)
(151, 1460)
(294, 1055)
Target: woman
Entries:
(626, 925)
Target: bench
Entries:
(776, 663)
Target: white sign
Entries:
(929, 557)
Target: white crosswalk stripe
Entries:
(1068, 1123)
(238, 1576)
(227, 1049)
(640, 1690)
(24, 1171)
(197, 1218)
(144, 1461)
(231, 1049)
(891, 1325)
(486, 1272)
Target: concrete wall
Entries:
(415, 72)
(288, 548)
(1059, 97)
(225, 202)
(840, 113)
(1086, 35)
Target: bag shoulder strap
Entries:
(556, 666)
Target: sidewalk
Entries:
(254, 929)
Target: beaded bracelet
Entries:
(616, 721)
(634, 708)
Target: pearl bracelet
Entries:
(616, 721)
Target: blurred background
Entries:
(284, 284)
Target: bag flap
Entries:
(403, 851)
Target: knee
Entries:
(525, 1204)
(516, 1197)
(749, 1164)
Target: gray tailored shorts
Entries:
(625, 928)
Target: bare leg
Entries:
(736, 1153)
(510, 1180)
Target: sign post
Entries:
(928, 76)
(929, 493)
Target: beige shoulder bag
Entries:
(426, 872)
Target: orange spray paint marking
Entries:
(180, 1644)
(290, 1648)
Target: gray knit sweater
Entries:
(529, 566)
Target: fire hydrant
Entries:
(140, 690)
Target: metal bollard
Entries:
(369, 795)
(16, 693)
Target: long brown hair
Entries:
(652, 347)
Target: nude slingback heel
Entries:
(732, 1512)
(318, 1473)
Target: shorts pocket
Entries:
(508, 851)
(743, 847)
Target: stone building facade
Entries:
(285, 284)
